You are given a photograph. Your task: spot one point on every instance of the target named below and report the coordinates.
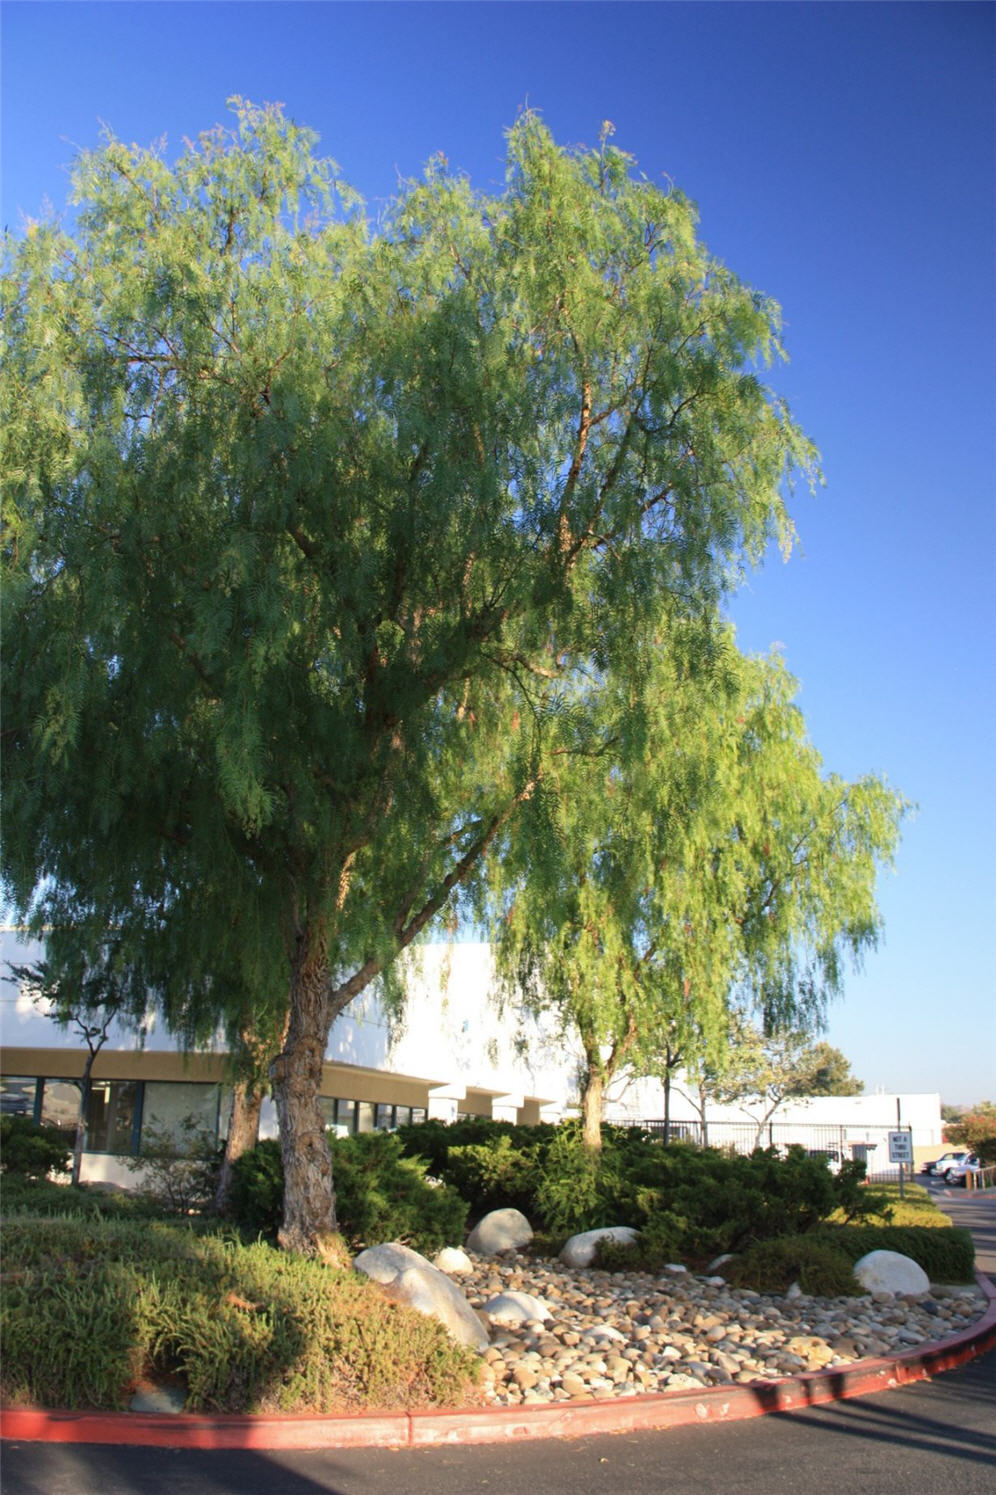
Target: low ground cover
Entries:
(94, 1308)
(103, 1293)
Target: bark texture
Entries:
(243, 1131)
(309, 1199)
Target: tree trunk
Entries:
(667, 1105)
(592, 1101)
(309, 1199)
(80, 1136)
(243, 1131)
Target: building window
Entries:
(365, 1116)
(383, 1118)
(60, 1106)
(18, 1095)
(114, 1115)
(180, 1112)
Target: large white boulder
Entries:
(890, 1272)
(516, 1308)
(580, 1250)
(411, 1279)
(502, 1230)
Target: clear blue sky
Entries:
(844, 161)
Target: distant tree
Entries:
(762, 1071)
(975, 1129)
(310, 522)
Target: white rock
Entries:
(453, 1261)
(890, 1272)
(580, 1250)
(409, 1278)
(502, 1230)
(676, 1268)
(516, 1308)
(384, 1263)
(603, 1331)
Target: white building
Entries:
(454, 1054)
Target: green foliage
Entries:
(31, 1151)
(257, 1189)
(493, 1175)
(381, 1195)
(315, 524)
(646, 885)
(41, 1197)
(945, 1255)
(771, 1266)
(90, 1308)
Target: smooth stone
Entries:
(501, 1230)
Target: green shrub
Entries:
(256, 1197)
(945, 1255)
(90, 1307)
(381, 1195)
(42, 1196)
(492, 1175)
(30, 1151)
(773, 1265)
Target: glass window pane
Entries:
(17, 1096)
(384, 1118)
(418, 1113)
(180, 1112)
(111, 1115)
(327, 1104)
(364, 1116)
(61, 1106)
(345, 1114)
(402, 1115)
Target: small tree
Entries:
(86, 993)
(976, 1129)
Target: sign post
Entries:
(901, 1151)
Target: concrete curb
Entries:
(575, 1419)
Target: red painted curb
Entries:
(667, 1409)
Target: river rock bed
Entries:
(629, 1333)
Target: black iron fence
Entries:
(836, 1141)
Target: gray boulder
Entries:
(411, 1279)
(502, 1230)
(890, 1272)
(580, 1250)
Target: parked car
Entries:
(959, 1173)
(947, 1160)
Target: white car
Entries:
(959, 1173)
(947, 1160)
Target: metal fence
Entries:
(838, 1142)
